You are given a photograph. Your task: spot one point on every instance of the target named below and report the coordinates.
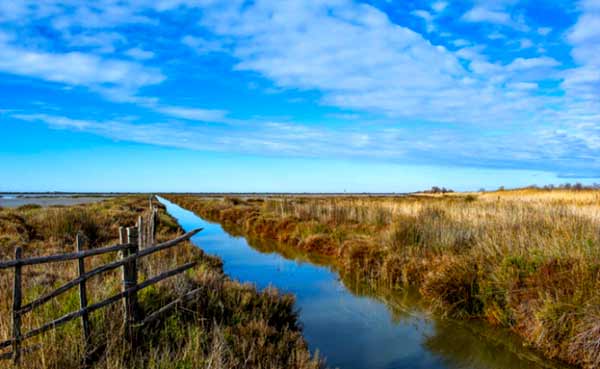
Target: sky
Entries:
(298, 95)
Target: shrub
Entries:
(453, 285)
(29, 207)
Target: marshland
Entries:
(504, 279)
(225, 325)
(525, 261)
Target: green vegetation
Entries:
(226, 325)
(527, 259)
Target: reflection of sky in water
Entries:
(350, 331)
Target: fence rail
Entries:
(62, 257)
(135, 243)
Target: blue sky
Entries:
(322, 95)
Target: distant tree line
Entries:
(436, 189)
(568, 186)
(577, 186)
(565, 186)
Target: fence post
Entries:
(141, 233)
(17, 295)
(152, 232)
(130, 280)
(85, 318)
(143, 236)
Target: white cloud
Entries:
(358, 59)
(495, 12)
(139, 54)
(265, 138)
(525, 43)
(203, 115)
(104, 14)
(56, 121)
(583, 82)
(424, 14)
(427, 17)
(568, 150)
(523, 86)
(76, 68)
(439, 6)
(461, 42)
(202, 46)
(590, 5)
(102, 42)
(164, 5)
(587, 29)
(520, 64)
(302, 45)
(481, 14)
(114, 79)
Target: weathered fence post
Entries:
(152, 231)
(125, 252)
(85, 318)
(129, 281)
(17, 295)
(141, 233)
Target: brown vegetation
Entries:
(226, 325)
(525, 259)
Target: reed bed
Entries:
(226, 325)
(524, 259)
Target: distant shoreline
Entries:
(109, 194)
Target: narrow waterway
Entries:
(352, 327)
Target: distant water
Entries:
(349, 327)
(16, 200)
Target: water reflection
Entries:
(353, 325)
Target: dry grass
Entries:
(227, 325)
(526, 259)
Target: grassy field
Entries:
(524, 259)
(227, 325)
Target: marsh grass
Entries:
(226, 325)
(524, 259)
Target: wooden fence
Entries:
(134, 243)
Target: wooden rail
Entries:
(79, 313)
(135, 243)
(62, 257)
(104, 268)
